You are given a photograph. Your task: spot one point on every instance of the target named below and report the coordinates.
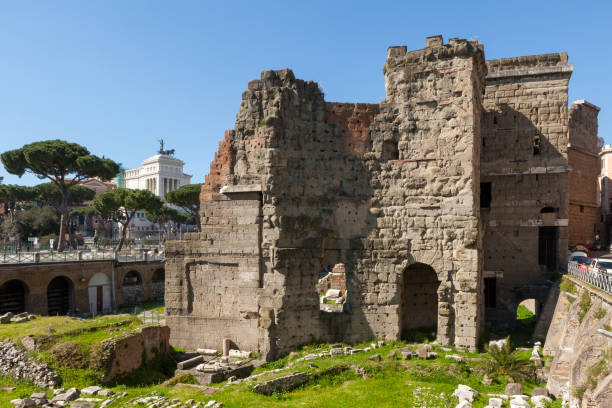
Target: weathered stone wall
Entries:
(583, 158)
(212, 292)
(578, 344)
(424, 206)
(392, 191)
(524, 162)
(129, 352)
(311, 184)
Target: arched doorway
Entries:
(158, 281)
(419, 298)
(60, 294)
(132, 288)
(13, 297)
(100, 294)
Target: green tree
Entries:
(162, 216)
(11, 194)
(64, 164)
(37, 221)
(121, 204)
(188, 198)
(49, 193)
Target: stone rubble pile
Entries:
(154, 401)
(62, 398)
(15, 363)
(17, 318)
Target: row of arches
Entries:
(60, 293)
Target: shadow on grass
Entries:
(420, 335)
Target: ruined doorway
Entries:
(547, 247)
(132, 288)
(100, 294)
(13, 297)
(59, 296)
(419, 299)
(158, 281)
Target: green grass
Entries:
(59, 325)
(524, 315)
(567, 286)
(389, 383)
(585, 305)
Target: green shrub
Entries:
(261, 123)
(579, 391)
(567, 286)
(506, 362)
(601, 313)
(585, 305)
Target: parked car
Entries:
(603, 264)
(577, 256)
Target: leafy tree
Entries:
(37, 221)
(121, 204)
(11, 194)
(84, 211)
(49, 193)
(162, 216)
(188, 198)
(64, 164)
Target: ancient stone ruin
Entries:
(401, 194)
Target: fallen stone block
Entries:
(465, 393)
(540, 399)
(6, 318)
(91, 390)
(495, 402)
(285, 383)
(69, 395)
(513, 389)
(192, 362)
(375, 357)
(207, 352)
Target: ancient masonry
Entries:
(392, 192)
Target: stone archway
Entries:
(60, 296)
(419, 298)
(99, 289)
(157, 284)
(132, 288)
(14, 296)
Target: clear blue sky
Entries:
(116, 76)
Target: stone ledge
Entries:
(241, 188)
(530, 72)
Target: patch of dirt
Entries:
(68, 354)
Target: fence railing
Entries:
(593, 276)
(80, 256)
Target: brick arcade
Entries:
(445, 203)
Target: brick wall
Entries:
(220, 168)
(354, 119)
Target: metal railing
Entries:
(599, 278)
(80, 256)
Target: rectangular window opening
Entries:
(485, 195)
(490, 295)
